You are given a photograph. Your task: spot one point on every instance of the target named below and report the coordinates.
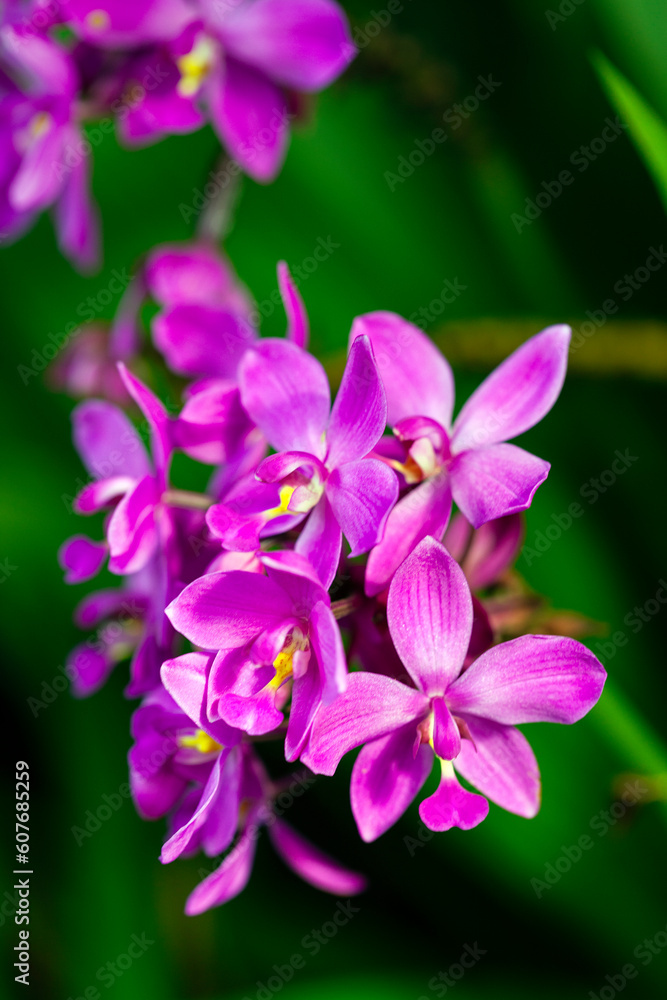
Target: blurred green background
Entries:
(451, 219)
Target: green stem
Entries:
(629, 735)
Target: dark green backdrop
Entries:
(451, 219)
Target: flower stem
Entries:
(184, 498)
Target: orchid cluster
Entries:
(319, 592)
(148, 69)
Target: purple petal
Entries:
(239, 692)
(228, 880)
(275, 468)
(451, 805)
(496, 481)
(328, 648)
(131, 531)
(517, 394)
(88, 669)
(224, 610)
(160, 111)
(44, 67)
(446, 737)
(200, 339)
(359, 414)
(386, 777)
(536, 678)
(145, 668)
(502, 765)
(254, 715)
(320, 542)
(99, 605)
(125, 335)
(156, 795)
(371, 707)
(417, 379)
(429, 611)
(362, 495)
(298, 328)
(303, 44)
(306, 700)
(38, 180)
(77, 219)
(298, 578)
(185, 678)
(193, 272)
(156, 415)
(313, 865)
(95, 496)
(424, 511)
(250, 115)
(220, 794)
(213, 425)
(286, 392)
(107, 441)
(81, 558)
(484, 554)
(117, 24)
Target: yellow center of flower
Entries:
(285, 497)
(98, 20)
(284, 661)
(40, 124)
(201, 741)
(195, 66)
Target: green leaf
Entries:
(648, 130)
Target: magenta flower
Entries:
(203, 327)
(235, 63)
(486, 552)
(171, 751)
(466, 718)
(248, 782)
(469, 460)
(40, 136)
(270, 629)
(321, 465)
(114, 455)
